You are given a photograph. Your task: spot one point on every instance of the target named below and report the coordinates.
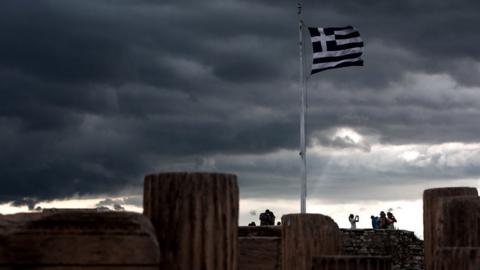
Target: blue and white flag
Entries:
(335, 47)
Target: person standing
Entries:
(390, 220)
(353, 221)
(383, 220)
(375, 222)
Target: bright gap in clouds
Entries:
(348, 134)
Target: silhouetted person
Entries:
(263, 219)
(383, 220)
(279, 223)
(390, 220)
(271, 217)
(252, 224)
(267, 218)
(375, 222)
(353, 221)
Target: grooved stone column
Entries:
(459, 222)
(457, 258)
(195, 216)
(431, 201)
(305, 236)
(352, 263)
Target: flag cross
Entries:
(323, 38)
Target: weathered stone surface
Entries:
(305, 236)
(457, 258)
(195, 216)
(259, 231)
(259, 253)
(77, 239)
(260, 248)
(459, 222)
(405, 249)
(78, 267)
(342, 262)
(431, 201)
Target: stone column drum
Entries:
(431, 201)
(352, 263)
(305, 236)
(459, 222)
(457, 258)
(195, 216)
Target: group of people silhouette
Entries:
(267, 218)
(385, 221)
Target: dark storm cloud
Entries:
(94, 95)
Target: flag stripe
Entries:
(336, 58)
(336, 53)
(332, 46)
(345, 32)
(330, 64)
(344, 64)
(349, 41)
(331, 30)
(320, 38)
(347, 36)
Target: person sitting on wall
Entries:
(375, 222)
(252, 224)
(390, 220)
(353, 221)
(383, 221)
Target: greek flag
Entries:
(335, 47)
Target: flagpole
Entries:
(303, 108)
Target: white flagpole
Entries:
(303, 105)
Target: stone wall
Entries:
(404, 247)
(260, 247)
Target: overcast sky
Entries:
(96, 94)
